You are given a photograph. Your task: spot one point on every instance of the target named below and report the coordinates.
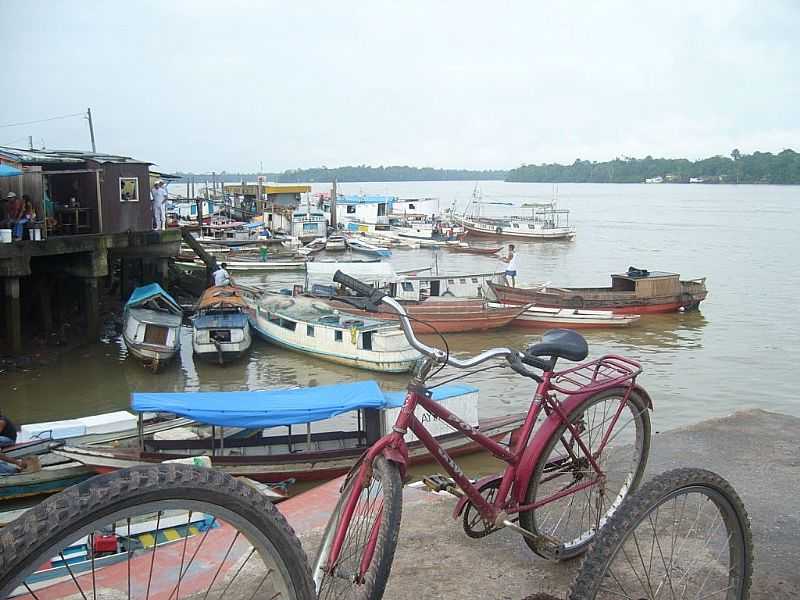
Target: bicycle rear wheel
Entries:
(377, 513)
(163, 531)
(685, 534)
(566, 525)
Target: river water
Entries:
(737, 352)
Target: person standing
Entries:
(511, 265)
(221, 276)
(159, 196)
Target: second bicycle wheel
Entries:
(376, 520)
(154, 532)
(684, 535)
(568, 523)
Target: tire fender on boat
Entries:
(576, 302)
(499, 230)
(686, 300)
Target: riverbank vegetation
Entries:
(759, 167)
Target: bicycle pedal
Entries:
(440, 483)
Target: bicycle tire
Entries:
(640, 506)
(46, 530)
(387, 474)
(555, 547)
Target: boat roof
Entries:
(235, 320)
(644, 275)
(223, 296)
(156, 317)
(314, 312)
(153, 291)
(260, 409)
(452, 276)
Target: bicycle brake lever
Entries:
(516, 364)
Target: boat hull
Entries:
(318, 466)
(533, 320)
(152, 355)
(600, 299)
(47, 481)
(561, 233)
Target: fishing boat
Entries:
(470, 249)
(49, 480)
(545, 222)
(308, 224)
(536, 317)
(254, 266)
(335, 422)
(336, 243)
(449, 315)
(315, 245)
(636, 291)
(312, 327)
(220, 327)
(414, 229)
(358, 245)
(152, 322)
(231, 234)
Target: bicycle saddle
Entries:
(563, 343)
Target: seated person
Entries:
(221, 276)
(13, 210)
(27, 215)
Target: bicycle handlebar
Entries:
(377, 297)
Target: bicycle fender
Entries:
(528, 461)
(398, 455)
(464, 500)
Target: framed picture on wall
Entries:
(128, 189)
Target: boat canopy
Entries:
(221, 321)
(256, 410)
(142, 295)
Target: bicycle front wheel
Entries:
(373, 527)
(162, 531)
(685, 534)
(616, 434)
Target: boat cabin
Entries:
(309, 224)
(647, 284)
(418, 288)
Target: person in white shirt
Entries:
(221, 276)
(511, 265)
(159, 196)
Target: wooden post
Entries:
(333, 205)
(45, 305)
(91, 306)
(13, 314)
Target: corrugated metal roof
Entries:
(38, 157)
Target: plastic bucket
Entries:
(5, 236)
(35, 234)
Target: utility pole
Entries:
(334, 193)
(30, 142)
(91, 128)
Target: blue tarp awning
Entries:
(9, 171)
(142, 294)
(256, 410)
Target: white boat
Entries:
(542, 317)
(309, 224)
(336, 243)
(357, 244)
(152, 322)
(231, 234)
(312, 327)
(246, 265)
(315, 245)
(220, 327)
(418, 230)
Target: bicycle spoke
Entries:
(153, 557)
(72, 575)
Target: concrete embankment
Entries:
(756, 451)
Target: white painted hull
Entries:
(224, 351)
(421, 233)
(521, 232)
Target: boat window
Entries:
(531, 226)
(515, 225)
(451, 281)
(337, 335)
(273, 318)
(462, 280)
(382, 209)
(287, 324)
(366, 340)
(408, 286)
(474, 280)
(310, 330)
(351, 210)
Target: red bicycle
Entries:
(560, 486)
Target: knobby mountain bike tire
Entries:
(567, 525)
(684, 534)
(152, 531)
(380, 505)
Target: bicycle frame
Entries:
(521, 458)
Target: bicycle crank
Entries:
(549, 547)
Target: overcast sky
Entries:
(216, 85)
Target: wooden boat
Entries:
(336, 243)
(312, 327)
(49, 480)
(450, 315)
(315, 245)
(326, 445)
(247, 265)
(467, 248)
(220, 327)
(634, 292)
(536, 317)
(152, 321)
(359, 245)
(231, 234)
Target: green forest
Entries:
(758, 167)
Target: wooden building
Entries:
(82, 192)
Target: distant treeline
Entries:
(358, 174)
(759, 167)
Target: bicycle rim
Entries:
(205, 539)
(684, 536)
(570, 522)
(375, 524)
